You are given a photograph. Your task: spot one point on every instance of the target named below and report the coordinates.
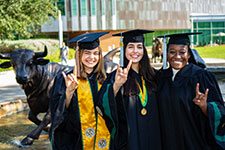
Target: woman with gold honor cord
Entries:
(128, 100)
(192, 112)
(76, 124)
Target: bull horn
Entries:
(41, 54)
(4, 56)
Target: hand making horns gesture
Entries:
(71, 80)
(71, 84)
(201, 99)
(121, 77)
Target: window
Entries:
(204, 38)
(93, 7)
(204, 25)
(74, 7)
(61, 7)
(113, 7)
(195, 25)
(103, 6)
(218, 24)
(83, 7)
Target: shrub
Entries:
(35, 45)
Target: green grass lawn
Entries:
(212, 52)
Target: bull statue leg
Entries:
(36, 132)
(33, 117)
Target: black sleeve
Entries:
(58, 110)
(107, 104)
(216, 108)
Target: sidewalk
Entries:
(9, 89)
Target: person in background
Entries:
(76, 124)
(192, 112)
(127, 98)
(64, 52)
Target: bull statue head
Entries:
(23, 62)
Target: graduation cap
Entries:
(133, 35)
(88, 40)
(181, 39)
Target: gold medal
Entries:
(143, 111)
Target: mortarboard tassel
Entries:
(121, 51)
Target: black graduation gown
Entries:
(183, 124)
(65, 132)
(129, 128)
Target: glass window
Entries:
(204, 25)
(74, 7)
(113, 7)
(103, 6)
(218, 24)
(61, 7)
(83, 7)
(93, 7)
(204, 38)
(195, 25)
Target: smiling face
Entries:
(177, 56)
(134, 52)
(90, 59)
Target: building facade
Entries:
(163, 16)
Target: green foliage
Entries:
(24, 17)
(211, 52)
(56, 56)
(36, 45)
(1, 69)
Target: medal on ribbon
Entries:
(143, 97)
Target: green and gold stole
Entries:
(94, 136)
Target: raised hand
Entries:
(71, 84)
(121, 77)
(201, 100)
(71, 80)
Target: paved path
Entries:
(9, 89)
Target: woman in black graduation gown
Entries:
(192, 112)
(128, 100)
(76, 125)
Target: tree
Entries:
(24, 17)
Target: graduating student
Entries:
(192, 112)
(128, 100)
(76, 125)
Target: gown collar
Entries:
(174, 73)
(184, 72)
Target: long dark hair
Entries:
(145, 69)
